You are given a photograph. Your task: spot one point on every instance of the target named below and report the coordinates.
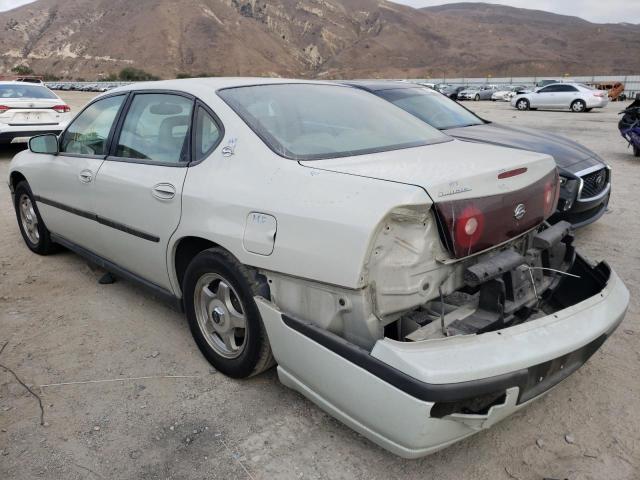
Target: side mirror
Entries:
(47, 143)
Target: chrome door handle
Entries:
(163, 191)
(86, 176)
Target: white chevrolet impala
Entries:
(404, 281)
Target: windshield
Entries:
(314, 121)
(434, 109)
(25, 91)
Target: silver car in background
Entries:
(483, 92)
(576, 97)
(505, 94)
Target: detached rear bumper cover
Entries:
(389, 394)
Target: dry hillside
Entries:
(316, 38)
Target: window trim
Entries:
(112, 157)
(111, 131)
(194, 157)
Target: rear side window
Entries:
(88, 133)
(208, 134)
(156, 128)
(567, 88)
(316, 121)
(26, 91)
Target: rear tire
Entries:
(523, 104)
(636, 151)
(223, 316)
(578, 106)
(34, 232)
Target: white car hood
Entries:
(449, 170)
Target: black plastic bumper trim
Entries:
(526, 379)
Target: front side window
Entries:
(156, 128)
(436, 110)
(207, 134)
(89, 132)
(550, 89)
(26, 91)
(314, 121)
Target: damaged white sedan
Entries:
(404, 281)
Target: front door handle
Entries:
(85, 176)
(163, 191)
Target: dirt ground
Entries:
(169, 415)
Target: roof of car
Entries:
(378, 85)
(213, 83)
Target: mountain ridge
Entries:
(308, 38)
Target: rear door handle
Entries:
(85, 176)
(163, 191)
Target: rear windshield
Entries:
(25, 91)
(313, 121)
(433, 108)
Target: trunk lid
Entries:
(483, 195)
(449, 170)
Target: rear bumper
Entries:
(406, 396)
(10, 132)
(597, 102)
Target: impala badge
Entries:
(519, 211)
(230, 149)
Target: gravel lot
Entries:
(63, 327)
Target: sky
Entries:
(599, 11)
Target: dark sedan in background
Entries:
(585, 178)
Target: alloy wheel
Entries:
(29, 219)
(220, 315)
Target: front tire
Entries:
(223, 316)
(477, 97)
(578, 106)
(636, 151)
(34, 232)
(523, 104)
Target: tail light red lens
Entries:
(62, 108)
(472, 225)
(4, 108)
(598, 94)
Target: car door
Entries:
(64, 189)
(566, 95)
(138, 189)
(544, 98)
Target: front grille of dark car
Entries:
(594, 183)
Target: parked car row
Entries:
(398, 266)
(83, 87)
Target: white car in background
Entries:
(576, 97)
(28, 109)
(505, 94)
(404, 281)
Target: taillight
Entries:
(4, 108)
(551, 193)
(472, 225)
(62, 108)
(469, 227)
(598, 94)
